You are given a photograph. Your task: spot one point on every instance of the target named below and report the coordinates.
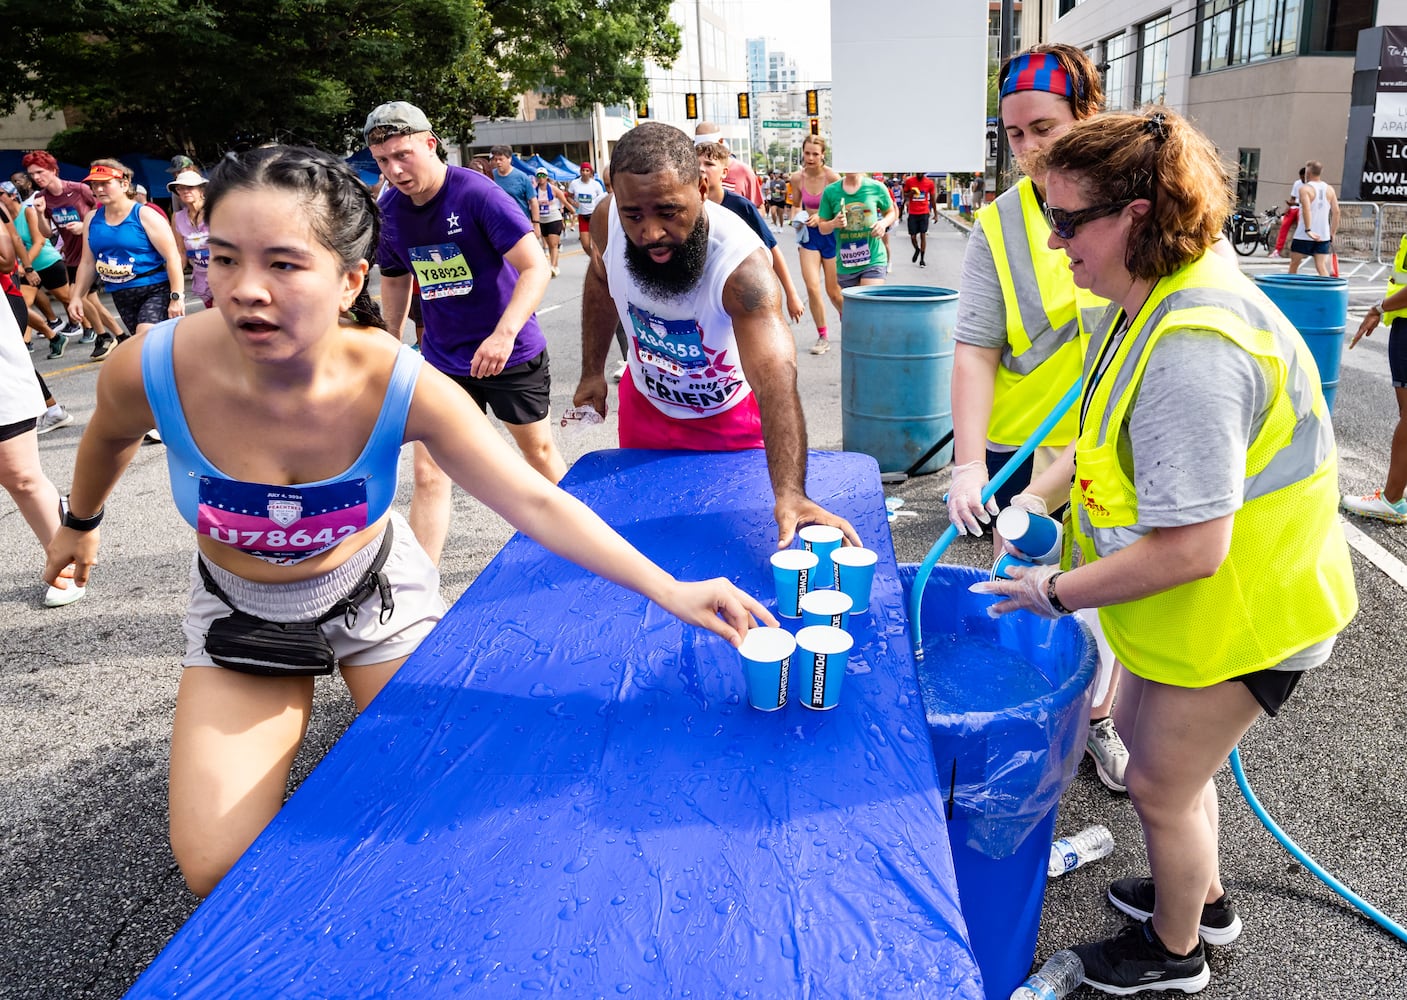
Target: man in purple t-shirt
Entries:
(481, 275)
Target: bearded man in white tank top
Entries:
(712, 365)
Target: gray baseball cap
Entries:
(400, 116)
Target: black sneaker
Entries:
(56, 346)
(914, 258)
(102, 347)
(1220, 923)
(1135, 960)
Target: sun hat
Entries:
(186, 178)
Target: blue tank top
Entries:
(124, 254)
(282, 525)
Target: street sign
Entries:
(783, 123)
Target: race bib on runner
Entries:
(63, 216)
(855, 255)
(113, 272)
(441, 270)
(280, 524)
(584, 199)
(678, 368)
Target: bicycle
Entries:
(1244, 231)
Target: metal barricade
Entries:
(1359, 240)
(1391, 229)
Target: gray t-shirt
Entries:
(1201, 402)
(981, 319)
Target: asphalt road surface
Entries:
(89, 892)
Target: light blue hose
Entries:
(925, 569)
(1363, 905)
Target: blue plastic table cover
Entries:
(564, 792)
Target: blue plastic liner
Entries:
(1008, 704)
(564, 792)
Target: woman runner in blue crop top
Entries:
(284, 412)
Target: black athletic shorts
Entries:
(518, 395)
(918, 223)
(14, 430)
(1272, 688)
(53, 276)
(1397, 353)
(553, 228)
(146, 304)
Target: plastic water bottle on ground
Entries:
(1068, 853)
(1061, 973)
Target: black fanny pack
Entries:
(251, 645)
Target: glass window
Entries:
(1236, 32)
(1115, 71)
(1247, 177)
(1153, 59)
(1334, 25)
(1068, 5)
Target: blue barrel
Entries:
(1318, 308)
(1007, 704)
(896, 371)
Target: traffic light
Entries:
(643, 111)
(743, 107)
(691, 105)
(813, 105)
(815, 126)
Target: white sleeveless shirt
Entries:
(684, 355)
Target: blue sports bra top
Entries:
(282, 525)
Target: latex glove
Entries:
(965, 508)
(1025, 591)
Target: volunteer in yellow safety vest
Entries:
(1204, 512)
(1388, 504)
(1018, 332)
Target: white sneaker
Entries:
(52, 419)
(1375, 505)
(152, 437)
(556, 271)
(58, 597)
(821, 346)
(1110, 756)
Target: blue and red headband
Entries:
(1037, 71)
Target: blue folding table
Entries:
(565, 792)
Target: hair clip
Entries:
(1156, 125)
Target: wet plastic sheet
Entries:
(563, 792)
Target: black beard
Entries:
(677, 275)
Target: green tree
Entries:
(203, 76)
(581, 51)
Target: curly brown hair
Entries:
(1083, 74)
(1157, 155)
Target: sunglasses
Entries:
(1064, 223)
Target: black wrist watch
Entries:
(1050, 595)
(177, 296)
(72, 520)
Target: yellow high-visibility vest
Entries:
(1046, 318)
(1287, 581)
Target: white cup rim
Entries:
(824, 639)
(854, 555)
(821, 533)
(767, 645)
(827, 602)
(795, 559)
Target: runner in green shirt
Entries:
(858, 210)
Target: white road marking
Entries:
(1380, 557)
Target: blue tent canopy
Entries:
(562, 163)
(366, 168)
(532, 164)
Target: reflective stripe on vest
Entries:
(1046, 316)
(1287, 581)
